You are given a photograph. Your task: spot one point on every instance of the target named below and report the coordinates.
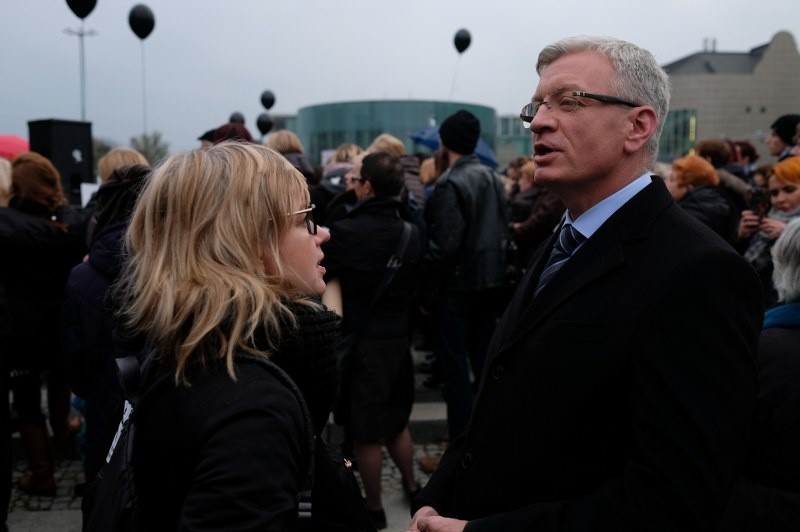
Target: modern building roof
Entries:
(713, 62)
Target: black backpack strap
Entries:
(130, 375)
(304, 497)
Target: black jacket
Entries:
(467, 228)
(36, 258)
(768, 494)
(608, 402)
(707, 204)
(356, 254)
(232, 455)
(86, 333)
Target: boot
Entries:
(40, 480)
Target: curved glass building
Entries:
(325, 126)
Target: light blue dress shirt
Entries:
(590, 221)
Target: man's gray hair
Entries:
(786, 258)
(638, 77)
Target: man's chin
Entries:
(546, 178)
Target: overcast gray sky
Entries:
(206, 59)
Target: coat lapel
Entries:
(601, 253)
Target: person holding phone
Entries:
(759, 231)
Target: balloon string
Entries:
(455, 74)
(81, 33)
(144, 95)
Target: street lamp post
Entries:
(81, 33)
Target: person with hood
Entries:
(87, 321)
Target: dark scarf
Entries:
(306, 354)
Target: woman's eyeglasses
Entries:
(311, 225)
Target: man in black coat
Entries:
(619, 386)
(465, 263)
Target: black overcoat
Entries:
(621, 398)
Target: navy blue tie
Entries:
(568, 241)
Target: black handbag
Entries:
(334, 503)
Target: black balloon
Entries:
(236, 118)
(264, 123)
(462, 40)
(141, 20)
(81, 8)
(267, 99)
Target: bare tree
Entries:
(152, 146)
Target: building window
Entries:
(504, 129)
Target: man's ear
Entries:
(368, 188)
(643, 124)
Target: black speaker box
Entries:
(68, 145)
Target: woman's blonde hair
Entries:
(5, 182)
(117, 158)
(345, 153)
(389, 144)
(195, 285)
(284, 141)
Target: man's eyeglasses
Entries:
(567, 102)
(311, 225)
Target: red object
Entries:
(12, 145)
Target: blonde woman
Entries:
(225, 262)
(288, 144)
(117, 158)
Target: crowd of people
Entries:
(596, 317)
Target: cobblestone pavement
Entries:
(29, 513)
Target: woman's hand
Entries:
(771, 228)
(748, 224)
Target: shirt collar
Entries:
(590, 221)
